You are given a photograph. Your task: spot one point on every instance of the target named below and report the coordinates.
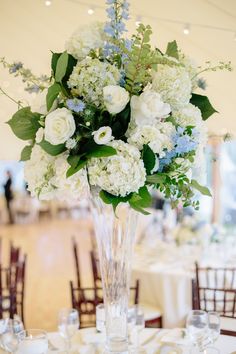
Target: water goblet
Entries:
(68, 324)
(197, 327)
(9, 339)
(140, 324)
(32, 341)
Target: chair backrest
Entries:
(214, 289)
(85, 301)
(76, 261)
(12, 289)
(97, 279)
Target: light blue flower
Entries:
(15, 67)
(75, 105)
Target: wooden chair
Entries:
(12, 290)
(214, 289)
(85, 301)
(153, 317)
(76, 261)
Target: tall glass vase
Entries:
(115, 234)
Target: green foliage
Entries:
(52, 94)
(100, 151)
(25, 124)
(203, 103)
(53, 150)
(172, 50)
(26, 153)
(202, 189)
(138, 201)
(76, 167)
(149, 158)
(120, 123)
(61, 67)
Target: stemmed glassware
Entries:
(32, 341)
(140, 324)
(9, 339)
(68, 324)
(197, 326)
(204, 329)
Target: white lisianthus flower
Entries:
(39, 135)
(173, 84)
(159, 137)
(148, 107)
(74, 187)
(103, 135)
(84, 39)
(59, 126)
(39, 104)
(119, 174)
(38, 173)
(115, 98)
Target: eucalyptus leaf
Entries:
(156, 179)
(25, 124)
(203, 103)
(53, 150)
(26, 153)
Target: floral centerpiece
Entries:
(119, 117)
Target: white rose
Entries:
(39, 135)
(103, 135)
(148, 107)
(59, 126)
(39, 104)
(115, 98)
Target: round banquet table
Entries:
(153, 341)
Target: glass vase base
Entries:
(117, 345)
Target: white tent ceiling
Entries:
(29, 29)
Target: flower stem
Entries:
(11, 98)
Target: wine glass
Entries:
(140, 324)
(68, 324)
(197, 326)
(213, 330)
(32, 341)
(131, 321)
(9, 339)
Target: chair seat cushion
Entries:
(228, 324)
(150, 312)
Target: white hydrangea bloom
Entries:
(90, 76)
(119, 174)
(188, 115)
(158, 137)
(38, 173)
(84, 39)
(74, 187)
(191, 67)
(173, 84)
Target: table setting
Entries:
(201, 335)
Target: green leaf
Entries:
(61, 67)
(72, 170)
(26, 153)
(141, 200)
(121, 122)
(156, 179)
(203, 103)
(24, 123)
(53, 150)
(100, 151)
(113, 199)
(52, 94)
(172, 50)
(54, 60)
(149, 158)
(139, 209)
(73, 160)
(203, 190)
